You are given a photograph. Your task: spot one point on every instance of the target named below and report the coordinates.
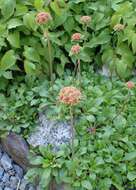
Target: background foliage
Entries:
(23, 48)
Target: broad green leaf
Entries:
(31, 54)
(29, 67)
(120, 121)
(7, 8)
(45, 178)
(69, 24)
(131, 175)
(37, 160)
(102, 38)
(130, 156)
(8, 60)
(87, 184)
(15, 22)
(14, 39)
(21, 9)
(55, 7)
(29, 21)
(121, 68)
(7, 75)
(38, 4)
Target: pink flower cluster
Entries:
(75, 49)
(85, 19)
(130, 84)
(43, 18)
(69, 95)
(76, 36)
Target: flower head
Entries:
(69, 95)
(75, 49)
(85, 19)
(130, 84)
(43, 18)
(76, 36)
(119, 27)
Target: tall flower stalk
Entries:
(70, 96)
(50, 56)
(43, 19)
(75, 50)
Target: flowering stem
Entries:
(72, 130)
(50, 57)
(79, 69)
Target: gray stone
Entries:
(1, 172)
(50, 132)
(6, 162)
(17, 148)
(19, 170)
(5, 177)
(2, 185)
(23, 184)
(13, 182)
(7, 188)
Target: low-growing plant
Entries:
(104, 145)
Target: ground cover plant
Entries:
(50, 55)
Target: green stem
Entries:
(72, 130)
(79, 70)
(127, 99)
(50, 57)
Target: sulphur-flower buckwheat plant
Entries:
(70, 96)
(43, 18)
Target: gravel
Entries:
(11, 174)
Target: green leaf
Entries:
(130, 156)
(87, 185)
(102, 38)
(45, 178)
(21, 10)
(55, 8)
(69, 24)
(15, 22)
(121, 68)
(29, 67)
(8, 60)
(131, 175)
(38, 4)
(37, 160)
(14, 39)
(31, 54)
(29, 21)
(7, 8)
(120, 121)
(7, 75)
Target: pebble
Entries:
(6, 162)
(1, 172)
(19, 170)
